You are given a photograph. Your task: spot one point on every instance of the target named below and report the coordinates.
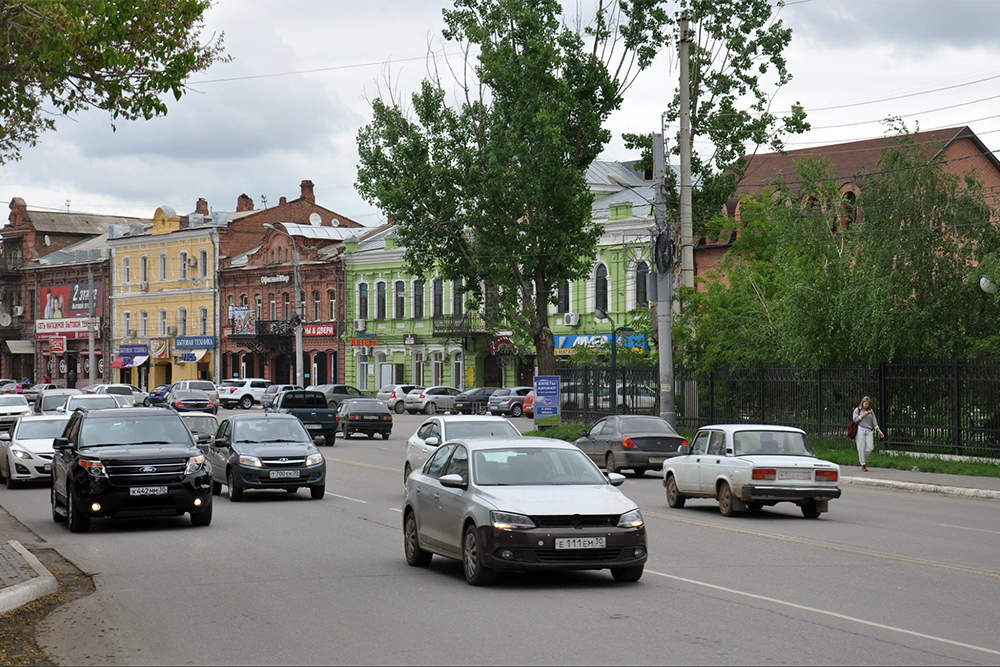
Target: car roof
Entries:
(60, 392)
(732, 428)
(260, 415)
(521, 442)
(185, 415)
(129, 412)
(43, 418)
(470, 418)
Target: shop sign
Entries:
(100, 365)
(244, 320)
(73, 328)
(57, 345)
(189, 357)
(133, 350)
(267, 280)
(160, 349)
(62, 366)
(192, 342)
(503, 346)
(319, 330)
(364, 340)
(64, 301)
(568, 345)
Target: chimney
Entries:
(18, 209)
(201, 206)
(307, 191)
(244, 203)
(282, 201)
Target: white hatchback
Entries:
(748, 466)
(439, 429)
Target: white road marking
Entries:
(337, 495)
(978, 530)
(824, 612)
(396, 509)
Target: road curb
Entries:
(44, 584)
(917, 487)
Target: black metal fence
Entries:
(950, 407)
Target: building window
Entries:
(850, 209)
(287, 299)
(363, 373)
(601, 288)
(243, 300)
(563, 301)
(418, 369)
(457, 298)
(273, 305)
(301, 308)
(183, 261)
(126, 271)
(144, 269)
(163, 266)
(438, 298)
(203, 263)
(400, 300)
(258, 305)
(641, 286)
(418, 299)
(457, 377)
(380, 301)
(203, 321)
(232, 301)
(182, 322)
(437, 368)
(127, 324)
(331, 296)
(143, 324)
(363, 301)
(317, 307)
(163, 323)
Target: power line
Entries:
(318, 69)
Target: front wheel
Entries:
(317, 492)
(674, 497)
(145, 402)
(810, 511)
(415, 556)
(476, 574)
(627, 574)
(202, 518)
(235, 492)
(332, 405)
(78, 521)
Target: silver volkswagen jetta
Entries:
(520, 504)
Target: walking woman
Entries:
(864, 417)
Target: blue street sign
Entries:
(547, 400)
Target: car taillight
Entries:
(353, 417)
(826, 476)
(685, 443)
(629, 443)
(179, 403)
(423, 395)
(605, 399)
(393, 394)
(210, 404)
(764, 473)
(387, 418)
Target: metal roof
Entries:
(244, 259)
(316, 232)
(603, 176)
(68, 254)
(641, 198)
(77, 223)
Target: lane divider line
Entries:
(824, 612)
(978, 530)
(356, 500)
(370, 466)
(832, 546)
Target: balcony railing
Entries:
(11, 264)
(268, 328)
(468, 324)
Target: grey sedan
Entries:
(520, 504)
(431, 400)
(633, 442)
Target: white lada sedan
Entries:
(748, 466)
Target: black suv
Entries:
(128, 462)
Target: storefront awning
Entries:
(129, 362)
(192, 356)
(21, 346)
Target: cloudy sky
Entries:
(289, 105)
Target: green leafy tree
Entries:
(490, 187)
(63, 56)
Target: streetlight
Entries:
(299, 368)
(625, 331)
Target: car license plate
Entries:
(314, 427)
(148, 491)
(657, 459)
(581, 542)
(371, 416)
(284, 474)
(793, 475)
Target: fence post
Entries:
(883, 405)
(819, 401)
(711, 397)
(957, 418)
(762, 372)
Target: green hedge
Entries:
(567, 432)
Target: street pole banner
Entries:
(244, 320)
(547, 400)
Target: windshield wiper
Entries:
(152, 442)
(280, 440)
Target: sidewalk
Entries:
(22, 577)
(925, 482)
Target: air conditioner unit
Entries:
(571, 319)
(192, 261)
(18, 311)
(130, 333)
(359, 325)
(143, 287)
(171, 331)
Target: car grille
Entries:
(129, 472)
(287, 463)
(44, 457)
(563, 556)
(576, 520)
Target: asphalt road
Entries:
(884, 578)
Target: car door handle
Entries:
(697, 460)
(437, 496)
(417, 490)
(718, 460)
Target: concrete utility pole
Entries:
(90, 323)
(687, 243)
(299, 314)
(664, 258)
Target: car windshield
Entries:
(270, 430)
(54, 402)
(41, 429)
(153, 430)
(93, 402)
(124, 391)
(201, 424)
(11, 401)
(535, 466)
(646, 425)
(784, 443)
(481, 428)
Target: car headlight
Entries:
(20, 453)
(251, 461)
(509, 521)
(194, 464)
(631, 519)
(95, 468)
(314, 460)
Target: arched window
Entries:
(850, 209)
(203, 263)
(163, 323)
(400, 300)
(143, 324)
(380, 301)
(127, 324)
(363, 301)
(563, 305)
(183, 266)
(331, 296)
(317, 307)
(203, 321)
(437, 368)
(273, 305)
(182, 322)
(163, 266)
(418, 299)
(641, 286)
(126, 270)
(288, 307)
(438, 298)
(244, 301)
(457, 299)
(143, 269)
(601, 288)
(258, 306)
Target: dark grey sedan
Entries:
(632, 442)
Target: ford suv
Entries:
(128, 462)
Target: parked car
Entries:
(430, 400)
(190, 400)
(159, 394)
(520, 504)
(12, 408)
(244, 392)
(630, 397)
(473, 401)
(51, 401)
(337, 393)
(748, 466)
(203, 426)
(443, 428)
(122, 400)
(256, 451)
(201, 385)
(310, 408)
(508, 401)
(11, 387)
(529, 404)
(633, 442)
(89, 402)
(393, 394)
(136, 461)
(364, 415)
(89, 389)
(272, 391)
(135, 395)
(26, 452)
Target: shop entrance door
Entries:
(282, 369)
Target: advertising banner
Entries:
(160, 349)
(73, 328)
(547, 400)
(64, 301)
(57, 345)
(133, 350)
(567, 345)
(244, 320)
(319, 330)
(194, 342)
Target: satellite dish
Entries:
(4, 319)
(47, 240)
(335, 222)
(315, 220)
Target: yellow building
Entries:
(164, 300)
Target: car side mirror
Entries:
(616, 479)
(221, 443)
(5, 437)
(457, 481)
(684, 450)
(432, 441)
(61, 443)
(583, 434)
(203, 438)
